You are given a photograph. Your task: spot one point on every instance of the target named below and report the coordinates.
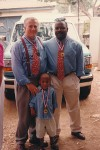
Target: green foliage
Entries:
(73, 2)
(87, 3)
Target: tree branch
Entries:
(84, 10)
(94, 6)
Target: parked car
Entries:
(46, 32)
(3, 41)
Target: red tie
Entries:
(36, 60)
(60, 63)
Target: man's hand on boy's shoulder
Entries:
(32, 88)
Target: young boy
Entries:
(43, 106)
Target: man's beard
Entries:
(61, 36)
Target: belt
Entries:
(55, 74)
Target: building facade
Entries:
(12, 10)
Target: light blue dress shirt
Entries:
(18, 58)
(73, 56)
(38, 104)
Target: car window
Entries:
(46, 31)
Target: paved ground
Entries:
(90, 114)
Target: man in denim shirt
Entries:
(26, 78)
(73, 69)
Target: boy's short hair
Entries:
(45, 75)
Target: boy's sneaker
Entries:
(20, 147)
(36, 141)
(54, 147)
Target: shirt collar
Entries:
(33, 41)
(63, 41)
(40, 89)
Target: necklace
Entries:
(34, 44)
(45, 100)
(61, 48)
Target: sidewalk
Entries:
(90, 116)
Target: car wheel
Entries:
(9, 94)
(84, 92)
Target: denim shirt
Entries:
(73, 56)
(37, 102)
(18, 59)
